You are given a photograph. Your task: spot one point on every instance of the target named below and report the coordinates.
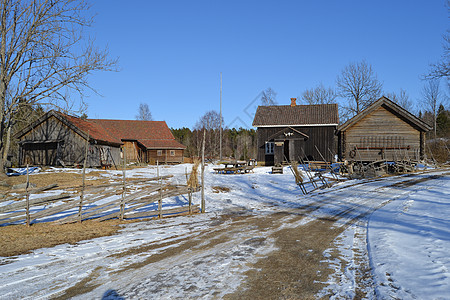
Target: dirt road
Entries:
(237, 254)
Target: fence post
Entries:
(124, 188)
(203, 171)
(84, 178)
(160, 193)
(190, 200)
(28, 198)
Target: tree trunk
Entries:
(7, 144)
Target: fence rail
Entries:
(92, 202)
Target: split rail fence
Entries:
(129, 199)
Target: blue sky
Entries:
(171, 53)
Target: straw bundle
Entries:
(193, 178)
(297, 175)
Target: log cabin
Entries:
(383, 131)
(292, 132)
(60, 139)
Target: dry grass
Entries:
(297, 175)
(21, 239)
(193, 177)
(63, 179)
(438, 150)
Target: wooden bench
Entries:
(277, 170)
(229, 170)
(318, 165)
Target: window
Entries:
(269, 147)
(172, 152)
(159, 152)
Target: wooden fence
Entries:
(129, 199)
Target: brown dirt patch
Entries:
(220, 189)
(296, 270)
(84, 286)
(21, 239)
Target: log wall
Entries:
(378, 136)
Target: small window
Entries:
(269, 147)
(159, 152)
(172, 152)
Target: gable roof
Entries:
(136, 130)
(80, 126)
(299, 115)
(150, 134)
(394, 109)
(94, 130)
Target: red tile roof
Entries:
(136, 130)
(151, 134)
(94, 130)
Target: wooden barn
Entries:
(293, 132)
(145, 141)
(383, 131)
(59, 139)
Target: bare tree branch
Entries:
(432, 99)
(268, 97)
(441, 69)
(144, 113)
(319, 95)
(401, 99)
(359, 85)
(44, 56)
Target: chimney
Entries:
(293, 101)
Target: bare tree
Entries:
(359, 84)
(431, 99)
(268, 97)
(144, 113)
(401, 99)
(209, 122)
(319, 95)
(44, 56)
(441, 69)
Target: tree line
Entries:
(236, 143)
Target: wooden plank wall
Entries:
(321, 136)
(165, 156)
(134, 153)
(381, 128)
(70, 150)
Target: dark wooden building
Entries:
(60, 139)
(294, 132)
(383, 131)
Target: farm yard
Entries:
(259, 238)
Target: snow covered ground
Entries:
(397, 250)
